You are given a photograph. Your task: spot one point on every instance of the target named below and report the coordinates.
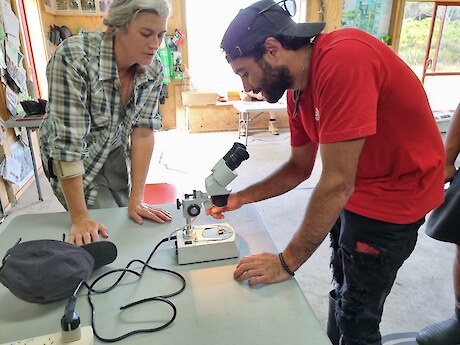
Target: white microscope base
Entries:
(210, 242)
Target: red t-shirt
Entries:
(357, 87)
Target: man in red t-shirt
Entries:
(351, 99)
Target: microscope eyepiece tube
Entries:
(222, 174)
(234, 160)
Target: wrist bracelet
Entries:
(283, 263)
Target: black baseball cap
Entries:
(263, 19)
(44, 271)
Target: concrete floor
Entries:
(423, 291)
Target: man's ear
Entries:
(273, 47)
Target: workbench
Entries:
(214, 309)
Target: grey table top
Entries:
(213, 308)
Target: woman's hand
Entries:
(140, 210)
(86, 230)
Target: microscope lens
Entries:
(233, 149)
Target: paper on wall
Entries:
(13, 62)
(2, 132)
(10, 22)
(11, 100)
(2, 56)
(22, 155)
(12, 170)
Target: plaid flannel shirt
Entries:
(83, 109)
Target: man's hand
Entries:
(140, 210)
(233, 203)
(262, 268)
(86, 230)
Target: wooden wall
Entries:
(224, 117)
(174, 114)
(195, 119)
(9, 193)
(331, 13)
(95, 21)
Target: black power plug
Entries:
(70, 322)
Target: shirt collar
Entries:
(107, 64)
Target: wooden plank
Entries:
(181, 117)
(168, 109)
(215, 118)
(394, 30)
(331, 13)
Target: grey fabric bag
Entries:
(443, 223)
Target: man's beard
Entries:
(275, 81)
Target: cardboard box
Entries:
(198, 98)
(443, 119)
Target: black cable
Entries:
(124, 271)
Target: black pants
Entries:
(366, 256)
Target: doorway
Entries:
(430, 45)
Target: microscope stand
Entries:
(207, 243)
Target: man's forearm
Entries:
(322, 212)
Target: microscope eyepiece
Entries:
(234, 160)
(233, 149)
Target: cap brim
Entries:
(304, 29)
(103, 252)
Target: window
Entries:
(429, 44)
(207, 21)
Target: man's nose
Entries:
(247, 86)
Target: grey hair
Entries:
(123, 12)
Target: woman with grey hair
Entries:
(97, 136)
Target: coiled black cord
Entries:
(161, 298)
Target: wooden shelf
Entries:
(77, 7)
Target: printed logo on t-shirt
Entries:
(316, 114)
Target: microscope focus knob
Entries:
(178, 204)
(193, 210)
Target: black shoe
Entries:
(332, 331)
(442, 333)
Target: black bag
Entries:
(443, 224)
(58, 34)
(33, 107)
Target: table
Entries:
(214, 309)
(258, 107)
(29, 124)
